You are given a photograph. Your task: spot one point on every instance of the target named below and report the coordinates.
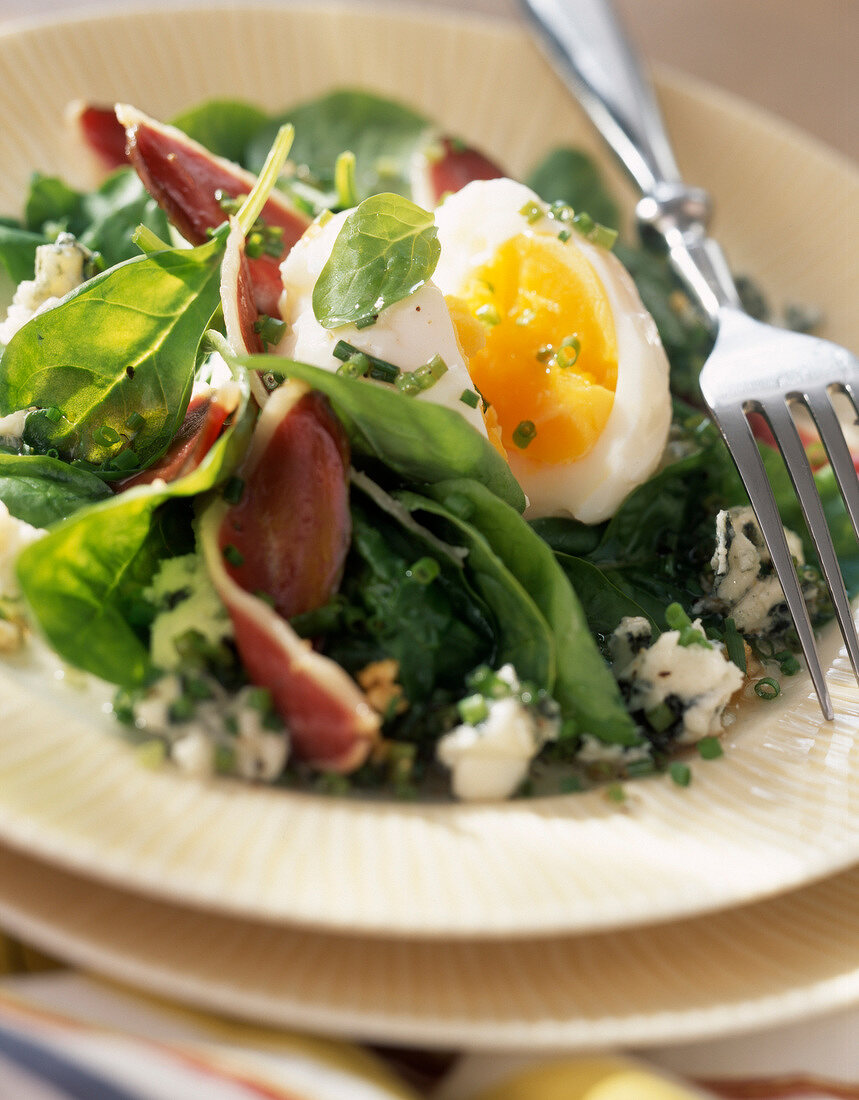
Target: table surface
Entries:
(792, 57)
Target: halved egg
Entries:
(572, 365)
(408, 333)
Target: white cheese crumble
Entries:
(695, 681)
(490, 760)
(59, 269)
(12, 428)
(744, 585)
(231, 724)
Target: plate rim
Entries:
(24, 836)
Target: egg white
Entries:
(408, 333)
(472, 225)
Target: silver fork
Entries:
(753, 367)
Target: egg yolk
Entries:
(549, 364)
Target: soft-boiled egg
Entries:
(572, 364)
(408, 333)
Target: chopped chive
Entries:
(356, 366)
(568, 353)
(531, 212)
(735, 646)
(710, 748)
(233, 555)
(615, 792)
(787, 663)
(472, 709)
(524, 434)
(380, 369)
(52, 453)
(106, 436)
(564, 235)
(234, 489)
(424, 571)
(135, 422)
(269, 329)
(470, 398)
(545, 354)
(488, 314)
(437, 367)
(635, 769)
(767, 688)
(570, 784)
(561, 211)
(125, 460)
(259, 698)
(53, 414)
(408, 384)
(681, 773)
(368, 321)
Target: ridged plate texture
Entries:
(778, 811)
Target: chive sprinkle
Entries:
(379, 369)
(488, 314)
(735, 646)
(767, 688)
(135, 422)
(525, 432)
(106, 436)
(472, 709)
(681, 773)
(710, 748)
(470, 398)
(53, 414)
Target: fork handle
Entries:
(585, 42)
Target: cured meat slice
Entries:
(279, 551)
(189, 184)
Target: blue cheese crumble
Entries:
(745, 586)
(679, 691)
(490, 756)
(60, 267)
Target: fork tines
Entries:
(776, 407)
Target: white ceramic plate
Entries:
(778, 811)
(755, 967)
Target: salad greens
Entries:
(385, 250)
(445, 589)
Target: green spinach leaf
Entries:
(119, 348)
(581, 682)
(226, 127)
(417, 440)
(383, 135)
(571, 176)
(386, 249)
(81, 579)
(41, 490)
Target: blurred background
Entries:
(795, 58)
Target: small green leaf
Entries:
(418, 440)
(124, 341)
(41, 490)
(386, 249)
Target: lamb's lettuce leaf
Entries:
(226, 127)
